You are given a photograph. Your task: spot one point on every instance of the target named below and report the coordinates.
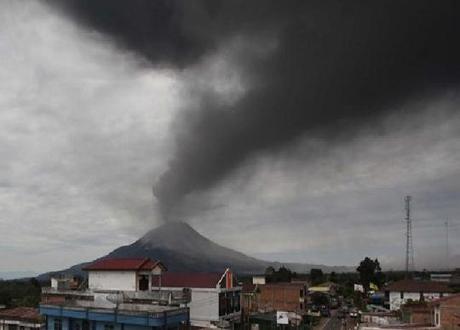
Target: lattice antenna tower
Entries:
(409, 245)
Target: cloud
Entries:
(276, 133)
(336, 203)
(79, 123)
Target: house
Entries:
(441, 277)
(215, 300)
(446, 312)
(404, 291)
(258, 279)
(289, 297)
(417, 313)
(134, 274)
(117, 298)
(21, 318)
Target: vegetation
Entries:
(370, 272)
(316, 276)
(16, 293)
(283, 274)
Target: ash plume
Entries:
(336, 67)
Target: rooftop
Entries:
(21, 314)
(418, 286)
(189, 280)
(136, 264)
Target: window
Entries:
(108, 326)
(57, 324)
(76, 326)
(143, 282)
(402, 295)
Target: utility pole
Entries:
(409, 245)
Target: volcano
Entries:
(182, 249)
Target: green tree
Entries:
(316, 276)
(370, 271)
(333, 277)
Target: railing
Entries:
(161, 297)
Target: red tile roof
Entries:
(27, 314)
(188, 280)
(125, 264)
(444, 299)
(418, 286)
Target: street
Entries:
(334, 323)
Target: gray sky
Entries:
(87, 127)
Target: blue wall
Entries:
(98, 319)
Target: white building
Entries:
(124, 274)
(401, 292)
(215, 301)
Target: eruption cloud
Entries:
(336, 66)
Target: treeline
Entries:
(14, 293)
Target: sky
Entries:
(288, 131)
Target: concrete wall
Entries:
(204, 305)
(396, 301)
(113, 280)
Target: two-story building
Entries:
(215, 299)
(117, 298)
(289, 297)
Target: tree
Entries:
(369, 271)
(316, 276)
(333, 277)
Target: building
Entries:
(215, 300)
(446, 312)
(21, 318)
(404, 291)
(329, 288)
(441, 278)
(289, 297)
(417, 313)
(117, 298)
(249, 300)
(124, 274)
(258, 279)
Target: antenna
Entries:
(409, 245)
(447, 243)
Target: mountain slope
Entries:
(181, 248)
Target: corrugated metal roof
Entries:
(418, 286)
(124, 264)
